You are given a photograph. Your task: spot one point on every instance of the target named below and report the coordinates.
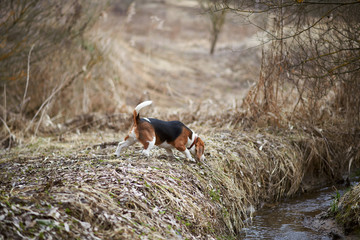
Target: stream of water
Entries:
(293, 218)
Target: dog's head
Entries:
(199, 149)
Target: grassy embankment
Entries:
(70, 189)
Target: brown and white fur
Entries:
(173, 134)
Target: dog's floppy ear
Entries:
(200, 147)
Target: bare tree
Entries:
(216, 15)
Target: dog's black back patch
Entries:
(167, 131)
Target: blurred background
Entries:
(79, 64)
(76, 58)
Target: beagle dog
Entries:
(172, 134)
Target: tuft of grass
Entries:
(215, 195)
(335, 202)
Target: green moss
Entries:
(68, 211)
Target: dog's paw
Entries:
(146, 153)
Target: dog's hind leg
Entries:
(128, 141)
(149, 146)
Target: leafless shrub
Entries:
(310, 60)
(42, 53)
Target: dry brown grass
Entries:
(69, 189)
(86, 192)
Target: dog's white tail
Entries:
(142, 105)
(138, 108)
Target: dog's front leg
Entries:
(188, 155)
(128, 141)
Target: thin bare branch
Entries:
(27, 80)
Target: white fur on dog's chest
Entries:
(191, 140)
